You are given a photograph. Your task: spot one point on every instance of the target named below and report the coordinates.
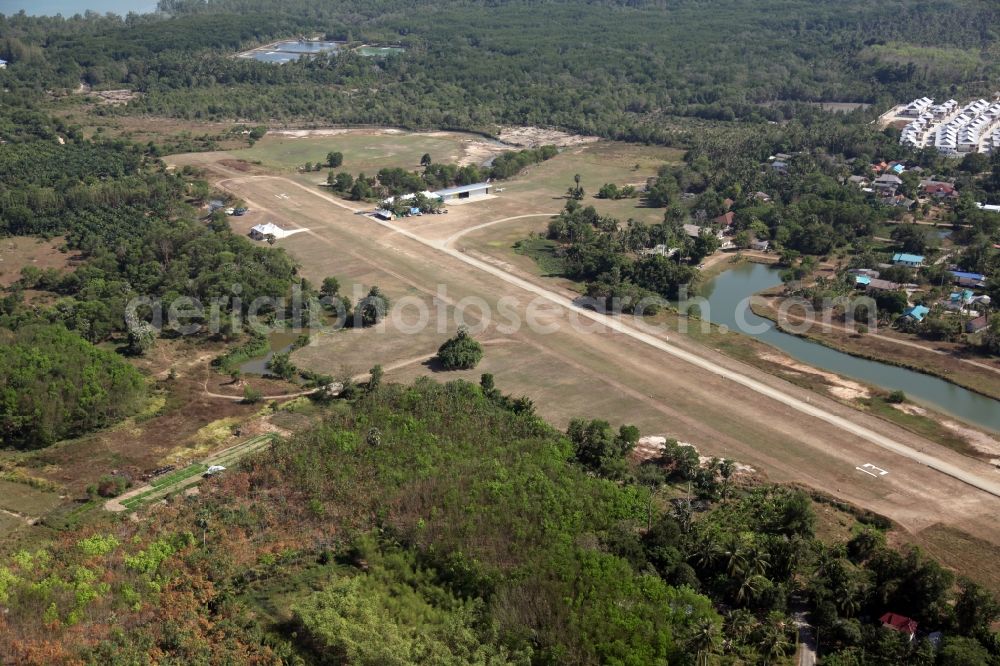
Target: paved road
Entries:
(662, 344)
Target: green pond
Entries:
(728, 304)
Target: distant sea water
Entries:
(70, 7)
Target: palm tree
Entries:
(704, 641)
(726, 469)
(774, 643)
(740, 624)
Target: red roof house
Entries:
(725, 220)
(900, 623)
(940, 190)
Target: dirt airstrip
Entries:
(590, 369)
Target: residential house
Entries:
(760, 245)
(876, 284)
(900, 623)
(725, 220)
(860, 181)
(977, 324)
(888, 183)
(693, 230)
(964, 296)
(383, 213)
(660, 250)
(965, 279)
(909, 260)
(781, 166)
(938, 189)
(917, 312)
(917, 107)
(762, 197)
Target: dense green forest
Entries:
(448, 524)
(613, 69)
(54, 385)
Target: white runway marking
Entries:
(872, 470)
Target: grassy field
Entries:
(972, 556)
(26, 500)
(9, 524)
(366, 151)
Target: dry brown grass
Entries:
(19, 252)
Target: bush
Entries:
(252, 396)
(896, 397)
(112, 485)
(461, 352)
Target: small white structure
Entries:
(262, 231)
(3, 64)
(214, 469)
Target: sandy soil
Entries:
(914, 410)
(650, 446)
(980, 441)
(532, 137)
(114, 97)
(842, 388)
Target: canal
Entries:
(728, 297)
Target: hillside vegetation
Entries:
(448, 524)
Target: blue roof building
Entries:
(898, 169)
(862, 280)
(917, 312)
(905, 259)
(962, 275)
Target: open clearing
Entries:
(367, 150)
(20, 251)
(22, 498)
(603, 372)
(21, 504)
